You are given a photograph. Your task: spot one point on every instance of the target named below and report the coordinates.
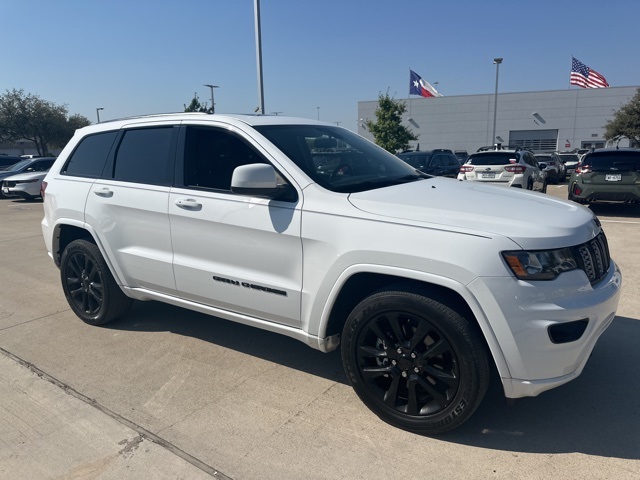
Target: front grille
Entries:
(593, 257)
(9, 184)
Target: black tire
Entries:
(414, 362)
(89, 286)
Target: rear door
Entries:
(128, 206)
(234, 252)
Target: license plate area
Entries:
(613, 177)
(488, 175)
(5, 189)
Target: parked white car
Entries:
(426, 284)
(505, 167)
(23, 185)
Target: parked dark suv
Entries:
(607, 174)
(439, 162)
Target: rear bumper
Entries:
(610, 193)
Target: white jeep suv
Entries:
(307, 229)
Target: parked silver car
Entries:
(24, 185)
(513, 167)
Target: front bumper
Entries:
(520, 314)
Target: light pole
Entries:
(497, 62)
(213, 105)
(98, 113)
(256, 15)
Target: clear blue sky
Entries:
(137, 57)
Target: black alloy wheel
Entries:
(415, 362)
(89, 286)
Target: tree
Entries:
(625, 121)
(388, 131)
(196, 106)
(28, 117)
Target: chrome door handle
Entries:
(188, 204)
(104, 192)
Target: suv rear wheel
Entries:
(89, 286)
(414, 362)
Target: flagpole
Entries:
(409, 96)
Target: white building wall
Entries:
(466, 122)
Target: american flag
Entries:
(585, 77)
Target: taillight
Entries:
(466, 168)
(43, 187)
(576, 189)
(515, 169)
(583, 168)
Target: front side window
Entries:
(144, 156)
(89, 157)
(337, 159)
(211, 156)
(42, 166)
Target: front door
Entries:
(238, 253)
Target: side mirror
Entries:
(257, 179)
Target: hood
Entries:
(533, 220)
(24, 176)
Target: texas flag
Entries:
(417, 86)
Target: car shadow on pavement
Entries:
(273, 347)
(597, 414)
(621, 210)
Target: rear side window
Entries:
(89, 157)
(415, 161)
(144, 156)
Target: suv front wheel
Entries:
(89, 286)
(414, 362)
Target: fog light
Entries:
(567, 332)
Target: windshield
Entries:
(17, 166)
(494, 158)
(338, 159)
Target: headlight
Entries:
(541, 264)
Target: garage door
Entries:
(537, 140)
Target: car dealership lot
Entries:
(169, 393)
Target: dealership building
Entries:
(542, 121)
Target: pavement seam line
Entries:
(9, 327)
(143, 432)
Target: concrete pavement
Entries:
(167, 393)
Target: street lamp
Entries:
(213, 105)
(497, 62)
(98, 113)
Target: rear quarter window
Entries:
(89, 157)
